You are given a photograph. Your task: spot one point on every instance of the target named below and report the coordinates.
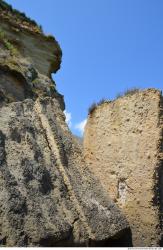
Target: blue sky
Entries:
(108, 46)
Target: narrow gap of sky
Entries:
(108, 46)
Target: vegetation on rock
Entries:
(128, 92)
(21, 16)
(8, 45)
(94, 105)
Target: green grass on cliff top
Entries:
(7, 7)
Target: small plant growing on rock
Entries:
(2, 34)
(7, 7)
(92, 108)
(131, 91)
(103, 100)
(118, 95)
(128, 92)
(7, 44)
(50, 37)
(94, 105)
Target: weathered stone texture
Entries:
(48, 197)
(27, 60)
(44, 53)
(123, 148)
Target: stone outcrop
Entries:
(27, 59)
(24, 37)
(123, 146)
(48, 196)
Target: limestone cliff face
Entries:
(27, 59)
(123, 148)
(25, 38)
(48, 196)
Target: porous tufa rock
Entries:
(127, 137)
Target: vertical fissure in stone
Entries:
(158, 175)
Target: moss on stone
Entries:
(8, 45)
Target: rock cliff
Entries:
(123, 146)
(48, 195)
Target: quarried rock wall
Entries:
(123, 148)
(48, 196)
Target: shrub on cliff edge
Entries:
(92, 108)
(128, 92)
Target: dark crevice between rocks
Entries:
(160, 173)
(51, 241)
(2, 241)
(15, 135)
(158, 177)
(14, 86)
(158, 197)
(122, 239)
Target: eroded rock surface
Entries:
(123, 148)
(48, 197)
